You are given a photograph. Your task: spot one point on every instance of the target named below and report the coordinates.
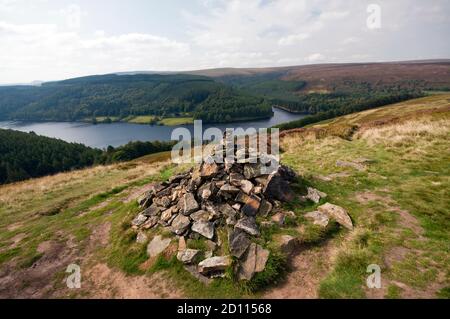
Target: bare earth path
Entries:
(307, 268)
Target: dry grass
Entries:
(407, 132)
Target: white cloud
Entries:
(293, 39)
(72, 15)
(45, 52)
(315, 57)
(61, 43)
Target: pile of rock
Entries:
(214, 196)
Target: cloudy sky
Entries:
(57, 39)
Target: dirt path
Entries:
(307, 268)
(46, 277)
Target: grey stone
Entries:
(228, 191)
(337, 213)
(279, 218)
(235, 179)
(157, 245)
(205, 191)
(180, 224)
(153, 210)
(213, 265)
(151, 222)
(287, 244)
(209, 170)
(188, 256)
(251, 207)
(204, 228)
(265, 208)
(246, 186)
(201, 215)
(239, 242)
(315, 195)
(253, 261)
(248, 224)
(139, 220)
(253, 170)
(188, 204)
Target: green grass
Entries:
(141, 119)
(173, 121)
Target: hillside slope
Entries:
(390, 172)
(122, 96)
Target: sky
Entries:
(43, 40)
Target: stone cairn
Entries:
(216, 195)
(228, 195)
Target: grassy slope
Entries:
(398, 205)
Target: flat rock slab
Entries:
(248, 224)
(214, 265)
(239, 242)
(157, 246)
(254, 261)
(337, 213)
(205, 229)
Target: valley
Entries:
(388, 167)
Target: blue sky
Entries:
(57, 39)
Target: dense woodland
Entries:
(27, 155)
(351, 105)
(125, 95)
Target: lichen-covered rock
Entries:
(248, 224)
(188, 256)
(205, 229)
(338, 214)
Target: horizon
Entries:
(162, 72)
(53, 40)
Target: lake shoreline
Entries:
(121, 133)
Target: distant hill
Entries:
(174, 95)
(223, 95)
(425, 73)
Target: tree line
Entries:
(27, 155)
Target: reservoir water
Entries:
(116, 134)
